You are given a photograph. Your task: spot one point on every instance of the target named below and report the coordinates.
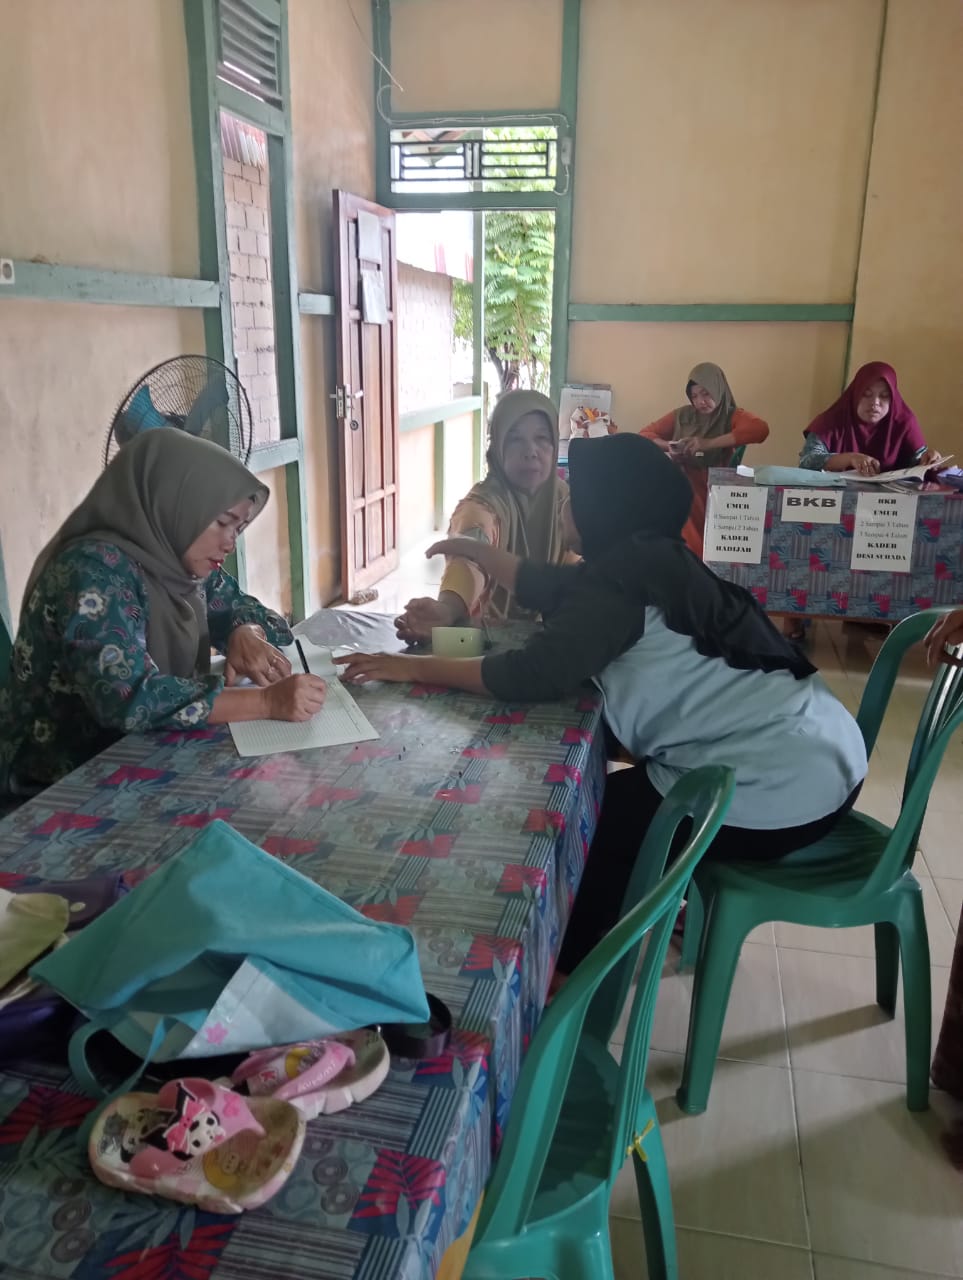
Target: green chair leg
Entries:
(692, 929)
(917, 1007)
(655, 1204)
(887, 966)
(723, 934)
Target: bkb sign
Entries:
(812, 506)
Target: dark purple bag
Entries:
(42, 1021)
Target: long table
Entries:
(467, 821)
(806, 568)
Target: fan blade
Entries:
(213, 397)
(140, 415)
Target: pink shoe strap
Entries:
(197, 1116)
(295, 1069)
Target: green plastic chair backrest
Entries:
(941, 717)
(704, 796)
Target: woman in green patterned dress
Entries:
(124, 605)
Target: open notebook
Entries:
(338, 722)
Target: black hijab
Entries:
(629, 503)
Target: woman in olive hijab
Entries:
(704, 433)
(517, 507)
(123, 606)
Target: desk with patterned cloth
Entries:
(805, 568)
(468, 822)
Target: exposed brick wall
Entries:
(425, 338)
(252, 300)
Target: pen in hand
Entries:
(304, 661)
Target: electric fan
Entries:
(194, 393)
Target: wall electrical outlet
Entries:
(7, 273)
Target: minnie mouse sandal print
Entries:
(196, 1142)
(319, 1077)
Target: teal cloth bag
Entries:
(225, 949)
(798, 478)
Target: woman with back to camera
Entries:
(691, 671)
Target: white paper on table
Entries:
(883, 532)
(339, 722)
(906, 473)
(735, 524)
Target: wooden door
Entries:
(367, 390)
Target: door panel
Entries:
(367, 366)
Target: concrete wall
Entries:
(246, 197)
(333, 121)
(909, 297)
(722, 156)
(425, 338)
(98, 170)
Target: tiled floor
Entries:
(807, 1165)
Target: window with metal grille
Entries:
(249, 47)
(474, 159)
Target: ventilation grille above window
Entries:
(479, 159)
(249, 47)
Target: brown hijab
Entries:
(531, 523)
(689, 422)
(156, 497)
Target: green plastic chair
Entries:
(859, 874)
(577, 1112)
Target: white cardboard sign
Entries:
(812, 506)
(883, 531)
(735, 523)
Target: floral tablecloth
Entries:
(467, 821)
(805, 568)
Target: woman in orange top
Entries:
(703, 434)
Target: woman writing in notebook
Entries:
(869, 429)
(518, 507)
(123, 606)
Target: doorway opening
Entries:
(449, 376)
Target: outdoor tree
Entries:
(519, 254)
(519, 257)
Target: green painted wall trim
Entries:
(275, 455)
(418, 202)
(884, 19)
(428, 119)
(708, 312)
(381, 32)
(316, 304)
(478, 344)
(200, 28)
(245, 107)
(55, 283)
(287, 324)
(561, 284)
(438, 413)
